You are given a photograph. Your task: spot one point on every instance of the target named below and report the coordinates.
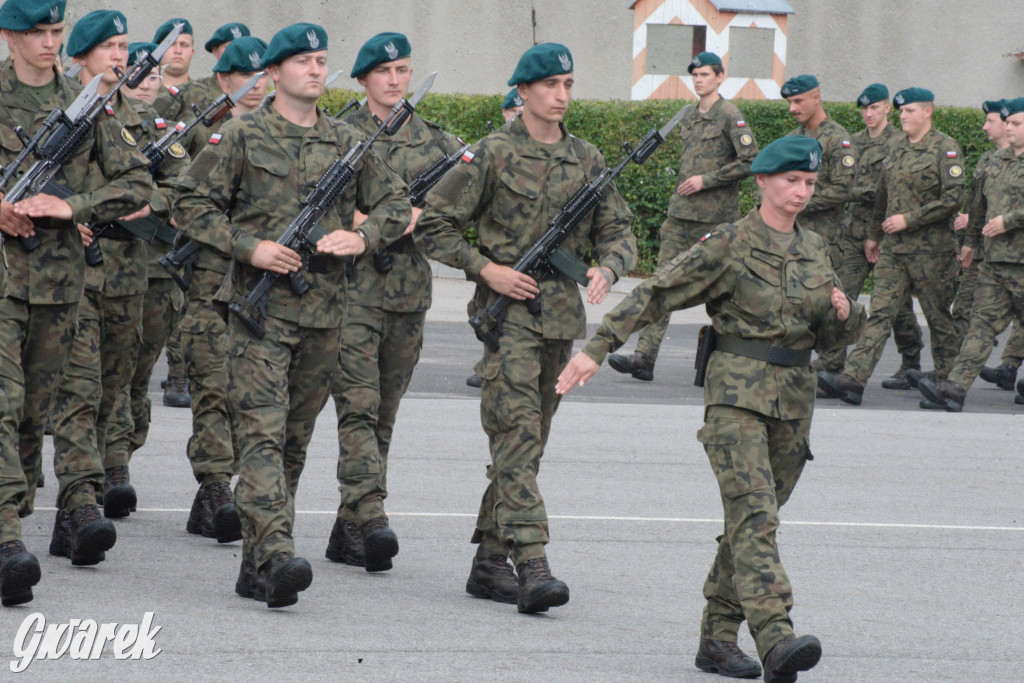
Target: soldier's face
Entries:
(178, 57)
(510, 114)
(914, 117)
(1015, 132)
(301, 76)
(787, 193)
(547, 99)
(706, 81)
(39, 46)
(386, 84)
(112, 52)
(875, 113)
(804, 106)
(231, 82)
(219, 50)
(995, 127)
(148, 89)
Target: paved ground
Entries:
(904, 542)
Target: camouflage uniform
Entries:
(924, 181)
(854, 268)
(824, 212)
(999, 297)
(758, 415)
(383, 331)
(37, 317)
(511, 188)
(718, 146)
(258, 174)
(171, 105)
(200, 92)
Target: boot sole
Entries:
(710, 666)
(197, 529)
(478, 590)
(292, 581)
(551, 594)
(246, 590)
(380, 548)
(119, 501)
(893, 385)
(829, 387)
(947, 404)
(226, 525)
(22, 573)
(340, 556)
(93, 544)
(802, 658)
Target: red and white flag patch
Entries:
(215, 138)
(468, 156)
(846, 143)
(705, 237)
(741, 124)
(180, 125)
(174, 90)
(951, 155)
(160, 123)
(108, 109)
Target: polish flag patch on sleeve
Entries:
(108, 109)
(951, 155)
(705, 237)
(180, 125)
(215, 138)
(741, 124)
(174, 90)
(846, 143)
(160, 123)
(468, 156)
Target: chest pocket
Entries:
(922, 173)
(808, 287)
(264, 172)
(759, 284)
(516, 200)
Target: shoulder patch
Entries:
(215, 138)
(174, 90)
(745, 139)
(705, 237)
(955, 171)
(127, 137)
(951, 155)
(176, 151)
(107, 108)
(741, 124)
(846, 143)
(160, 123)
(468, 156)
(848, 160)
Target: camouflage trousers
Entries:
(929, 277)
(276, 388)
(676, 236)
(379, 351)
(34, 344)
(1013, 352)
(998, 300)
(211, 449)
(517, 404)
(175, 351)
(86, 439)
(757, 461)
(853, 273)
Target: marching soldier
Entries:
(174, 69)
(202, 91)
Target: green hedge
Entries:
(647, 188)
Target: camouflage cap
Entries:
(168, 26)
(94, 28)
(703, 59)
(1011, 107)
(912, 96)
(135, 48)
(876, 92)
(243, 55)
(993, 106)
(541, 61)
(799, 85)
(512, 99)
(382, 48)
(293, 40)
(225, 34)
(789, 153)
(21, 15)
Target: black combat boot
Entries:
(790, 656)
(538, 589)
(250, 582)
(380, 543)
(41, 481)
(899, 380)
(284, 577)
(945, 393)
(82, 536)
(914, 377)
(226, 525)
(727, 659)
(200, 519)
(925, 404)
(475, 381)
(1004, 376)
(346, 544)
(119, 497)
(492, 578)
(637, 364)
(19, 571)
(841, 386)
(176, 394)
(1019, 398)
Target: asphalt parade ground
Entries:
(904, 542)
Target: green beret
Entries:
(243, 55)
(294, 40)
(512, 99)
(1011, 107)
(912, 96)
(703, 59)
(94, 28)
(135, 48)
(168, 26)
(799, 85)
(789, 153)
(993, 106)
(541, 61)
(876, 92)
(22, 15)
(382, 48)
(225, 34)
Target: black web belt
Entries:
(764, 351)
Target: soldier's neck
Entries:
(170, 79)
(877, 130)
(816, 120)
(301, 112)
(546, 132)
(708, 101)
(1002, 144)
(381, 111)
(774, 219)
(30, 75)
(1017, 151)
(920, 135)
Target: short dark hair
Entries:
(717, 68)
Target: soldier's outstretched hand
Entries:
(509, 281)
(13, 224)
(994, 227)
(277, 258)
(600, 284)
(580, 369)
(840, 303)
(44, 205)
(341, 243)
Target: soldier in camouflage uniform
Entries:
(237, 197)
(767, 283)
(203, 91)
(824, 212)
(997, 215)
(174, 68)
(873, 145)
(717, 151)
(514, 182)
(921, 189)
(37, 316)
(388, 297)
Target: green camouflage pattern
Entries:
(511, 189)
(171, 105)
(200, 92)
(999, 300)
(1000, 193)
(730, 271)
(719, 147)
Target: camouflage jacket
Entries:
(973, 189)
(924, 181)
(824, 212)
(752, 290)
(107, 174)
(406, 287)
(1001, 193)
(511, 186)
(170, 105)
(717, 146)
(250, 186)
(871, 154)
(200, 92)
(209, 259)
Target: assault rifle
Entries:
(304, 231)
(63, 132)
(547, 257)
